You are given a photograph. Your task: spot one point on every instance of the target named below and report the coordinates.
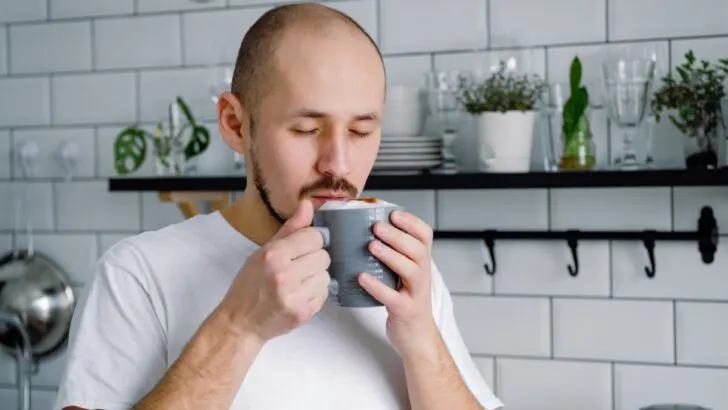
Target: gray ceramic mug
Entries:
(347, 233)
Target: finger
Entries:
(315, 286)
(402, 242)
(301, 218)
(307, 266)
(400, 264)
(299, 243)
(413, 226)
(379, 291)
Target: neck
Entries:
(249, 216)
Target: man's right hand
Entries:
(284, 283)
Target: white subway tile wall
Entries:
(609, 338)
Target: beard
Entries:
(327, 182)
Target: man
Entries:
(172, 321)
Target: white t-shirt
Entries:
(151, 292)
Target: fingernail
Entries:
(397, 216)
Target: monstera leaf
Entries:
(130, 149)
(200, 138)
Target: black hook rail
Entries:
(706, 236)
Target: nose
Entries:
(334, 154)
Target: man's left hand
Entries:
(406, 247)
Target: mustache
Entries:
(330, 183)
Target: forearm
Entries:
(433, 379)
(209, 371)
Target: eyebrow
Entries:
(370, 116)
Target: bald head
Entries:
(255, 68)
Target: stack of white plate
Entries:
(409, 153)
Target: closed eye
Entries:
(312, 131)
(359, 133)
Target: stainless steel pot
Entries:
(36, 301)
(38, 292)
(36, 306)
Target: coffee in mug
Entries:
(346, 226)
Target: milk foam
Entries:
(353, 204)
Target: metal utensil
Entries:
(36, 304)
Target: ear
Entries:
(233, 123)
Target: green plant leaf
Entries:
(575, 74)
(198, 143)
(130, 146)
(186, 110)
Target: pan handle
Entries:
(24, 355)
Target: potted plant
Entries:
(578, 146)
(171, 150)
(694, 103)
(504, 107)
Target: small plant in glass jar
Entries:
(578, 147)
(172, 148)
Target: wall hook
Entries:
(573, 243)
(649, 243)
(490, 244)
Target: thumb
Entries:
(301, 218)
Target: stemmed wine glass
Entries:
(628, 81)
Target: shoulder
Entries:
(150, 255)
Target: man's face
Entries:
(317, 132)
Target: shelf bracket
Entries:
(187, 201)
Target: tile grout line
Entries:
(495, 376)
(137, 96)
(674, 332)
(98, 244)
(93, 45)
(11, 134)
(613, 381)
(51, 104)
(263, 5)
(181, 33)
(570, 297)
(54, 213)
(551, 328)
(97, 152)
(664, 365)
(140, 201)
(488, 31)
(672, 208)
(610, 267)
(6, 27)
(606, 21)
(386, 55)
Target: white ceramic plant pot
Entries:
(505, 140)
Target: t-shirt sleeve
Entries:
(117, 346)
(445, 319)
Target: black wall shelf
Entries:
(459, 180)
